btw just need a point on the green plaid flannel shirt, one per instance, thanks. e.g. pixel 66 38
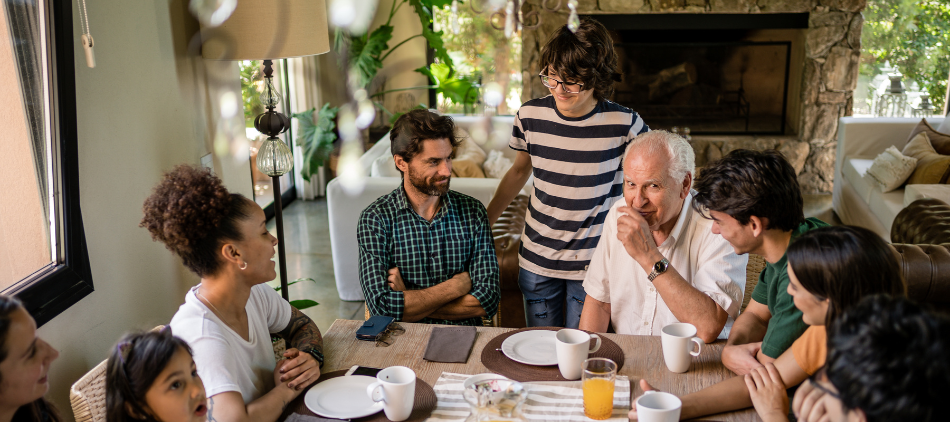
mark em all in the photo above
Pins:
pixel 391 234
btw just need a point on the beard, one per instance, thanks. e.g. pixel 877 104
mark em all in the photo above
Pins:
pixel 429 186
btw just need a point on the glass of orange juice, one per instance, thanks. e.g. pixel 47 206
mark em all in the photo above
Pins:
pixel 598 381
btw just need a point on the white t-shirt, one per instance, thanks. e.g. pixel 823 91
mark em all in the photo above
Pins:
pixel 225 361
pixel 705 260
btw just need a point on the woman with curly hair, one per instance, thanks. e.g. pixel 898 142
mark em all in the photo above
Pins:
pixel 24 367
pixel 229 317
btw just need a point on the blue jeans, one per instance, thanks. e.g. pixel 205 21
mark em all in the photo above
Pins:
pixel 545 300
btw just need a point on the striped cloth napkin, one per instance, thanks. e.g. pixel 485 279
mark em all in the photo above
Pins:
pixel 547 401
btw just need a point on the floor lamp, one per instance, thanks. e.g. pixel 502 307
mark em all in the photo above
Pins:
pixel 268 31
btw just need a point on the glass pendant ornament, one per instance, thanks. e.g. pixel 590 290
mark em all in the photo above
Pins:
pixel 573 21
pixel 274 157
pixel 270 96
pixel 212 13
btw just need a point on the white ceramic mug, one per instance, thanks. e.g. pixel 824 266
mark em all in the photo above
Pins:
pixel 573 347
pixel 677 347
pixel 657 406
pixel 396 388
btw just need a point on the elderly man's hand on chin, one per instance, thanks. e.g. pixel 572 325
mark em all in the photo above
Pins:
pixel 637 238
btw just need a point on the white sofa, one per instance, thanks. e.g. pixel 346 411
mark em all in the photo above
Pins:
pixel 344 210
pixel 859 203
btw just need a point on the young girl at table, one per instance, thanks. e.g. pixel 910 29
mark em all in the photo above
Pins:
pixel 229 317
pixel 24 367
pixel 830 269
pixel 151 377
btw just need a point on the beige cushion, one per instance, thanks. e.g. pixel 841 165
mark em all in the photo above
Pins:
pixel 468 149
pixel 939 139
pixel 384 166
pixel 466 168
pixel 890 169
pixel 931 167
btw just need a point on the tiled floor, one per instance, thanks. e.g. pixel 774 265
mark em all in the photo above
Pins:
pixel 307 237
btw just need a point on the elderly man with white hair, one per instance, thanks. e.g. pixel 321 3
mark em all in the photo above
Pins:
pixel 658 262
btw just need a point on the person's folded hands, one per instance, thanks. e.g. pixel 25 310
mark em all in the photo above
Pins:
pixel 768 394
pixel 298 369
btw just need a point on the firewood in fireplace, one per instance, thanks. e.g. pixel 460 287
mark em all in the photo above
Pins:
pixel 672 79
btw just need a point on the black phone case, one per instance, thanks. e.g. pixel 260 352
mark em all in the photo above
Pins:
pixel 373 327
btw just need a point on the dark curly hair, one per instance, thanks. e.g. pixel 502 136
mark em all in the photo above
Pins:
pixel 39 409
pixel 586 56
pixel 845 264
pixel 134 364
pixel 746 183
pixel 193 214
pixel 419 125
pixel 887 356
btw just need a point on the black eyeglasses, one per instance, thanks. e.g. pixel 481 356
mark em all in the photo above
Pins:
pixel 814 379
pixel 387 337
pixel 571 87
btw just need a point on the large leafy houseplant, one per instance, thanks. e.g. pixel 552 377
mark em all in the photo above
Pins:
pixel 365 54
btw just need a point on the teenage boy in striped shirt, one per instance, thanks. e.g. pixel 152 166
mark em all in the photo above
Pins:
pixel 572 141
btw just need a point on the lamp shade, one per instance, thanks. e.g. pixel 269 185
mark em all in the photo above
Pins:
pixel 267 29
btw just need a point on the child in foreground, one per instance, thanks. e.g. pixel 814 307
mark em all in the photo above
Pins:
pixel 152 377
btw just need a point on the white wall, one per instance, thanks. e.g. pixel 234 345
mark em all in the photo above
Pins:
pixel 142 110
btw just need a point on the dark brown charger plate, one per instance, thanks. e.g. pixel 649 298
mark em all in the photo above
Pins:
pixel 497 362
pixel 422 406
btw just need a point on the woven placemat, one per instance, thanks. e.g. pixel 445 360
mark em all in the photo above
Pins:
pixel 497 362
pixel 422 406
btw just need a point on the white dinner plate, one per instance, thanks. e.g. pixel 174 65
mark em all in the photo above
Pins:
pixel 534 347
pixel 342 398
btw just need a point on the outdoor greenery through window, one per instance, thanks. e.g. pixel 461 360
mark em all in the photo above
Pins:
pixel 483 55
pixel 909 36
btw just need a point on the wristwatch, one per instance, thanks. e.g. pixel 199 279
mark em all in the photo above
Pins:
pixel 659 268
pixel 318 355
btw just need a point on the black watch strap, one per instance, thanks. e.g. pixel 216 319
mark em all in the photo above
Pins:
pixel 317 354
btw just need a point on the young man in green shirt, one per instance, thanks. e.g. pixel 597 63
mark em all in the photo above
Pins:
pixel 756 204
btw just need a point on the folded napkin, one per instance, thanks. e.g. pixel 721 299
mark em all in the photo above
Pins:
pixel 547 401
pixel 450 344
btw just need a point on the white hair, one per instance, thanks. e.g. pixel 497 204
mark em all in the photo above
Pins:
pixel 682 157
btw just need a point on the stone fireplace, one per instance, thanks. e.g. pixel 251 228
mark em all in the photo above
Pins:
pixel 741 74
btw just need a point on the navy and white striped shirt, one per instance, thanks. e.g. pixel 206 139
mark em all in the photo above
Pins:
pixel 577 177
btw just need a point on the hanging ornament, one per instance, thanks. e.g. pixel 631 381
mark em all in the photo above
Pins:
pixel 212 13
pixel 573 21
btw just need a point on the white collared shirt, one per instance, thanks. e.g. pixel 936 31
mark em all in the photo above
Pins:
pixel 705 260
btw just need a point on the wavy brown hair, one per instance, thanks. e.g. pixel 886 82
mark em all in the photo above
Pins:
pixel 419 125
pixel 586 56
pixel 193 214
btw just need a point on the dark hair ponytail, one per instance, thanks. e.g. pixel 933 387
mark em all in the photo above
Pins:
pixel 133 365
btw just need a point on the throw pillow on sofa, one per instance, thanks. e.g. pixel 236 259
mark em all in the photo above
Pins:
pixel 466 168
pixel 932 168
pixel 384 166
pixel 939 139
pixel 890 169
pixel 468 149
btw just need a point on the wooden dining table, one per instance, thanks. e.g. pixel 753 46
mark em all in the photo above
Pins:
pixel 643 360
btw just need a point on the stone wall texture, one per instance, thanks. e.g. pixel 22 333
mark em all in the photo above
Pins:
pixel 830 71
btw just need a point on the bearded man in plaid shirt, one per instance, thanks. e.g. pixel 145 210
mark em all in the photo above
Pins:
pixel 426 252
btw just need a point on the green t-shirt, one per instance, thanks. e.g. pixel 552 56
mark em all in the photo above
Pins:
pixel 786 324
